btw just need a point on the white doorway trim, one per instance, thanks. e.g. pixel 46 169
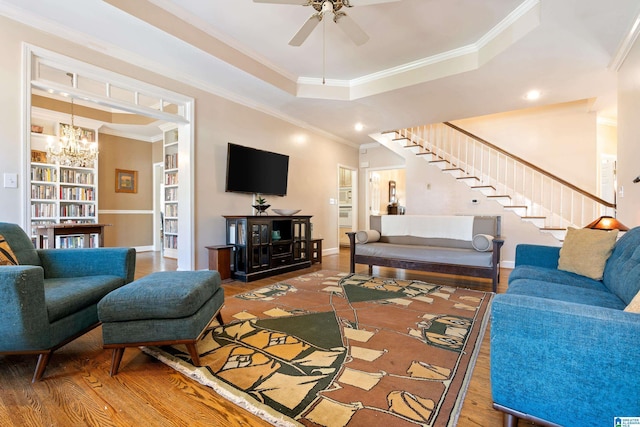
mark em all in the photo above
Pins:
pixel 34 57
pixel 354 198
pixel 158 188
pixel 368 196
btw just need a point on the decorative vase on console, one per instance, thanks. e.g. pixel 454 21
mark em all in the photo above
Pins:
pixel 261 205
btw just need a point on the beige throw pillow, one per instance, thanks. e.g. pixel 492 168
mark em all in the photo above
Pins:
pixel 7 257
pixel 634 305
pixel 367 236
pixel 586 251
pixel 482 242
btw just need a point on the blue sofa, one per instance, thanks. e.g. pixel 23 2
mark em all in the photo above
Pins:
pixel 563 350
pixel 50 297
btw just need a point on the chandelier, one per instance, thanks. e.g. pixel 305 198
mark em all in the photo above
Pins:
pixel 73 148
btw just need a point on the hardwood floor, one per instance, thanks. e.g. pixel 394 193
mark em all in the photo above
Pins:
pixel 77 391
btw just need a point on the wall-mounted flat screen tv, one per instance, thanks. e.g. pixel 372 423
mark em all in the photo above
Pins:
pixel 250 170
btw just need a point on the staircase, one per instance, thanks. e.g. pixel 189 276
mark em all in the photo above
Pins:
pixel 537 196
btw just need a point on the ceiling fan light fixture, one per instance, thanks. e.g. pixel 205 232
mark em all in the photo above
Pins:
pixel 321 7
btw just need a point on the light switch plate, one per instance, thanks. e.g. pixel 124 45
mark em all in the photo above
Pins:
pixel 10 180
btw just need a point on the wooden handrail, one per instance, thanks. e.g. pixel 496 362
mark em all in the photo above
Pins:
pixel 534 167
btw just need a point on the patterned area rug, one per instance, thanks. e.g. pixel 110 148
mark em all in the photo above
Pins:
pixel 332 349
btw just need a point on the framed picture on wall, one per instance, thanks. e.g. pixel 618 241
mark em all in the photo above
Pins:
pixel 126 181
pixel 38 156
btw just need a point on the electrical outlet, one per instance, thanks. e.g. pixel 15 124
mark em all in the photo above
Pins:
pixel 10 180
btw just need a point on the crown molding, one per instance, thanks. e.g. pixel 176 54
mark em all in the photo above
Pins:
pixel 31 20
pixel 512 28
pixel 625 46
pixel 515 25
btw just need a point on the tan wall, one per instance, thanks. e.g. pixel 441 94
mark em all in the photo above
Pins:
pixel 313 170
pixel 133 230
pixel 314 159
pixel 128 230
pixel 128 154
pixel 156 152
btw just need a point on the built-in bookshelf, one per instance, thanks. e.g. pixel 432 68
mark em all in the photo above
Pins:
pixel 171 189
pixel 59 193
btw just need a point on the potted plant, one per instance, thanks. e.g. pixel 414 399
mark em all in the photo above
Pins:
pixel 261 205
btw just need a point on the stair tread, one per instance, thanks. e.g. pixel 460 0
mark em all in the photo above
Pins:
pixel 447 161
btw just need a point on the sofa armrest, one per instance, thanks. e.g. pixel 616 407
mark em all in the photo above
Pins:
pixel 59 263
pixel 571 364
pixel 537 255
pixel 23 316
pixel 352 251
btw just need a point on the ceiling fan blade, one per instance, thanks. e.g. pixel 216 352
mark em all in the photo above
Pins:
pixel 351 29
pixel 370 2
pixel 306 30
pixel 300 2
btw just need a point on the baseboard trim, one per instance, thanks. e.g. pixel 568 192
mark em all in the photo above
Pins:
pixel 330 251
pixel 508 264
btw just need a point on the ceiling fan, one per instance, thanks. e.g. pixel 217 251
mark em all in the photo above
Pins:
pixel 348 25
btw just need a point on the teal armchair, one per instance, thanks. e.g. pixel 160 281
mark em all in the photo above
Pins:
pixel 49 297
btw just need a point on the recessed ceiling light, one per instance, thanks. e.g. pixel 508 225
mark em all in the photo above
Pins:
pixel 532 95
pixel 359 127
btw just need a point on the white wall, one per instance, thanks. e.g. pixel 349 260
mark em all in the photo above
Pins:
pixel 547 137
pixel 374 157
pixel 629 138
pixel 11 160
pixel 432 192
pixel 217 122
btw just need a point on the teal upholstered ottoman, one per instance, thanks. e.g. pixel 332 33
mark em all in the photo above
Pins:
pixel 168 307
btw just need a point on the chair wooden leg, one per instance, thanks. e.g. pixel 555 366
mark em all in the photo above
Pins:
pixel 193 352
pixel 219 318
pixel 116 358
pixel 43 360
pixel 509 420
